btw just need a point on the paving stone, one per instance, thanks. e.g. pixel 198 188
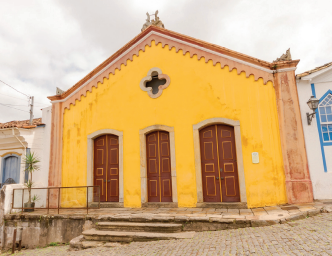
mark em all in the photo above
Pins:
pixel 181 218
pixel 271 208
pixel 257 210
pixel 198 218
pixel 195 209
pixel 91 244
pixel 309 236
pixel 112 244
pixel 221 210
pixel 313 212
pixel 245 211
pixel 233 211
pixel 233 217
pixel 260 213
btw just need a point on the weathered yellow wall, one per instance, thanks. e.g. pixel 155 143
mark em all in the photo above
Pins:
pixel 198 91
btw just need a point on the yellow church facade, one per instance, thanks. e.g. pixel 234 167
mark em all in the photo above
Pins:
pixel 174 120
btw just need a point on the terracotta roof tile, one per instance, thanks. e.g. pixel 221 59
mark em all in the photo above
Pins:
pixel 22 124
pixel 314 70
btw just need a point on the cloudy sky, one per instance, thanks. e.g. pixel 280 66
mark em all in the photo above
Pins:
pixel 46 44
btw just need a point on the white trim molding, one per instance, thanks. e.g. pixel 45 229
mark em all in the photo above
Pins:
pixel 238 145
pixel 90 157
pixel 142 138
pixel 285 69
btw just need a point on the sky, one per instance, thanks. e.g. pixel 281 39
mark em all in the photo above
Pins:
pixel 46 44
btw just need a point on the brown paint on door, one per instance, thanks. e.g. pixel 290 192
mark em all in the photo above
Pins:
pixel 219 164
pixel 159 178
pixel 106 167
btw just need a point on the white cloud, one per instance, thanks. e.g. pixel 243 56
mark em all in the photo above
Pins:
pixel 46 44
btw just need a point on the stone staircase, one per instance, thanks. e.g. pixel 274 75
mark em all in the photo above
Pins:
pixel 110 233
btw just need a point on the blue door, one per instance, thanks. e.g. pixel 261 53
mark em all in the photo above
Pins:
pixel 11 168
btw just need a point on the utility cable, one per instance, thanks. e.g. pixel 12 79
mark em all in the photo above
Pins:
pixel 1 94
pixel 15 89
pixel 14 105
pixel 14 108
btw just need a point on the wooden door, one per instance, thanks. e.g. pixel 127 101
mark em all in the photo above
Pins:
pixel 219 164
pixel 106 167
pixel 228 164
pixel 159 178
pixel 210 164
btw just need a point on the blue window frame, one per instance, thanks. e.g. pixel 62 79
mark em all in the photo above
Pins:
pixel 323 123
pixel 325 115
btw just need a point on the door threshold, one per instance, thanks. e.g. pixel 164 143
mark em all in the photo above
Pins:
pixel 159 205
pixel 107 205
pixel 228 205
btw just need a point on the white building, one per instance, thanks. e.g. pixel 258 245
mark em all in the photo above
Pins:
pixel 16 139
pixel 318 135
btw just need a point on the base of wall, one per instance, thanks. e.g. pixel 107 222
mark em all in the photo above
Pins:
pixel 299 191
pixel 160 205
pixel 236 205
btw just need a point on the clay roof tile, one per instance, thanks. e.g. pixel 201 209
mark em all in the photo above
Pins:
pixel 314 70
pixel 22 124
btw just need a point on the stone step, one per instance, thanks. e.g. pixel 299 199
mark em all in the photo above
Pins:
pixel 232 205
pixel 160 205
pixel 140 227
pixel 127 237
pixel 106 205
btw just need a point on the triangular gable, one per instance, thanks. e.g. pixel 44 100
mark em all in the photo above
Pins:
pixel 217 54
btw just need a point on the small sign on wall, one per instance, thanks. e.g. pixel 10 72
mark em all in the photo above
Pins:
pixel 255 157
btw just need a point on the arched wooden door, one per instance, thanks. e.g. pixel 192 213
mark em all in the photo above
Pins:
pixel 106 167
pixel 219 164
pixel 11 168
pixel 159 180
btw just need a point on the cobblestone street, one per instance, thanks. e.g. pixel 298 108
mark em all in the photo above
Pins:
pixel 310 236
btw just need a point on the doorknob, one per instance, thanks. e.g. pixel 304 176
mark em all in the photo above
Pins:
pixel 221 178
pixel 108 180
pixel 217 178
pixel 220 169
pixel 104 180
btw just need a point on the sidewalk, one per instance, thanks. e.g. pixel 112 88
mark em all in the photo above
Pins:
pixel 251 217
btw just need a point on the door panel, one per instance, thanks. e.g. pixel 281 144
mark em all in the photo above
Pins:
pixel 165 167
pixel 99 170
pixel 210 165
pixel 227 159
pixel 113 167
pixel 219 164
pixel 153 167
pixel 106 167
pixel 158 167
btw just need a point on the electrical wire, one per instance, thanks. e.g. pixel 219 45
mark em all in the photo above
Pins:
pixel 14 105
pixel 14 88
pixel 14 108
pixel 1 94
pixel 38 103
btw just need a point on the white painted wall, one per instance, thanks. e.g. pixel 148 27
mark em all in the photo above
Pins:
pixel 38 140
pixel 8 189
pixel 321 181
